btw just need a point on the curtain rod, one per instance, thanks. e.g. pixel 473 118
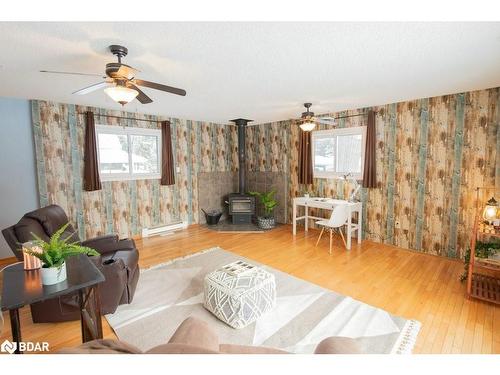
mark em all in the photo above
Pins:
pixel 160 121
pixel 125 118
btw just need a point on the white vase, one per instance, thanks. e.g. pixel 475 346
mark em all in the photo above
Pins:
pixel 53 275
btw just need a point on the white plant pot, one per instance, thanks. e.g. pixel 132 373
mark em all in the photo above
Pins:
pixel 53 275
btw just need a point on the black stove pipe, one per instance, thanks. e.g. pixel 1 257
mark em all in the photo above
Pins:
pixel 241 123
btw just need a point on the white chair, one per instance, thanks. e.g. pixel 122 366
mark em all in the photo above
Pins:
pixel 336 221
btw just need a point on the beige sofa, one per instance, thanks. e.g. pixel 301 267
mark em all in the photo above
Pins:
pixel 194 336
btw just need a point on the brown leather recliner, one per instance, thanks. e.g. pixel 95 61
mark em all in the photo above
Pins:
pixel 118 263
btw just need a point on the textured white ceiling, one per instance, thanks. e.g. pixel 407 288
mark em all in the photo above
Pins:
pixel 262 71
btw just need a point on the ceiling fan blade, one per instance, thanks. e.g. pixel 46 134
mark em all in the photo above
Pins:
pixel 326 120
pixel 126 71
pixel 72 73
pixel 143 98
pixel 91 88
pixel 158 86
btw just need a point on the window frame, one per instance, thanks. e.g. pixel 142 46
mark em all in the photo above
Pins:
pixel 355 130
pixel 128 131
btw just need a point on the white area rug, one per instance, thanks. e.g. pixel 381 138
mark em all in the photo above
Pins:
pixel 304 314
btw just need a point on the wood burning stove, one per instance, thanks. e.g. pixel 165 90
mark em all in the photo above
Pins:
pixel 241 205
pixel 241 208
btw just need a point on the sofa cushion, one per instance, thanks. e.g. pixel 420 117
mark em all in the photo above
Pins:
pixel 197 333
pixel 179 349
pixel 246 349
pixel 105 346
pixel 194 336
pixel 338 345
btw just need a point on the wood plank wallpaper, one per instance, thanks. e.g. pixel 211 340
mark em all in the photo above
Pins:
pixel 124 207
pixel 431 155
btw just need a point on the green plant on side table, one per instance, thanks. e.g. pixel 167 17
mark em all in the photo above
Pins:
pixel 54 253
pixel 267 199
pixel 483 250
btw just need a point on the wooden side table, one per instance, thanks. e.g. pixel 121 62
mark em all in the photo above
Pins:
pixel 21 288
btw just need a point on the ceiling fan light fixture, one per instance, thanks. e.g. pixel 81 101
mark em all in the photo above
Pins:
pixel 121 94
pixel 307 126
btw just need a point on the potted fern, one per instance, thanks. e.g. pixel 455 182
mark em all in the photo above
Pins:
pixel 267 199
pixel 53 255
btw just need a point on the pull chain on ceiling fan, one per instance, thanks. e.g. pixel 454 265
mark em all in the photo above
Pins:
pixel 120 83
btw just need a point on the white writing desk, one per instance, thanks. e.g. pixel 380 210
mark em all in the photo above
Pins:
pixel 328 204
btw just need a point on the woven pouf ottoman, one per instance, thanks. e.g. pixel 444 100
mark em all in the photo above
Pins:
pixel 239 293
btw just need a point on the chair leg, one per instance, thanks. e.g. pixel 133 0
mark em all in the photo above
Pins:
pixel 319 238
pixel 342 235
pixel 331 234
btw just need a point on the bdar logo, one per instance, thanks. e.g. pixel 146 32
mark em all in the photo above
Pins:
pixel 24 346
pixel 9 347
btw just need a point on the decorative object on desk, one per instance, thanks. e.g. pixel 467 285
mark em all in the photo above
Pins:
pixel 30 261
pixel 490 213
pixel 54 253
pixel 267 199
pixel 351 197
pixel 305 192
pixel 212 217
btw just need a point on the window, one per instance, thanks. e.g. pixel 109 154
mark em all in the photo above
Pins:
pixel 337 152
pixel 128 153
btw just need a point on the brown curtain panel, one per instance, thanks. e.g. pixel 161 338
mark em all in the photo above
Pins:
pixel 91 179
pixel 370 171
pixel 305 158
pixel 167 160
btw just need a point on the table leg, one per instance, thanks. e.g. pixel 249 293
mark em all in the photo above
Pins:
pixel 331 236
pixel 294 218
pixel 349 230
pixel 97 312
pixel 306 218
pixel 90 314
pixel 15 326
pixel 360 226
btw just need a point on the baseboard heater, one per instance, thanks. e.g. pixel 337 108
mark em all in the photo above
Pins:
pixel 164 229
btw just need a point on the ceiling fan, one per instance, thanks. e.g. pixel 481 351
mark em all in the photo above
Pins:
pixel 309 120
pixel 120 83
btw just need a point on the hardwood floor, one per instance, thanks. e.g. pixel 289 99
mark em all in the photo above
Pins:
pixel 402 282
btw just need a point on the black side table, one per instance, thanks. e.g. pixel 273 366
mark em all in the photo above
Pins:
pixel 22 288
